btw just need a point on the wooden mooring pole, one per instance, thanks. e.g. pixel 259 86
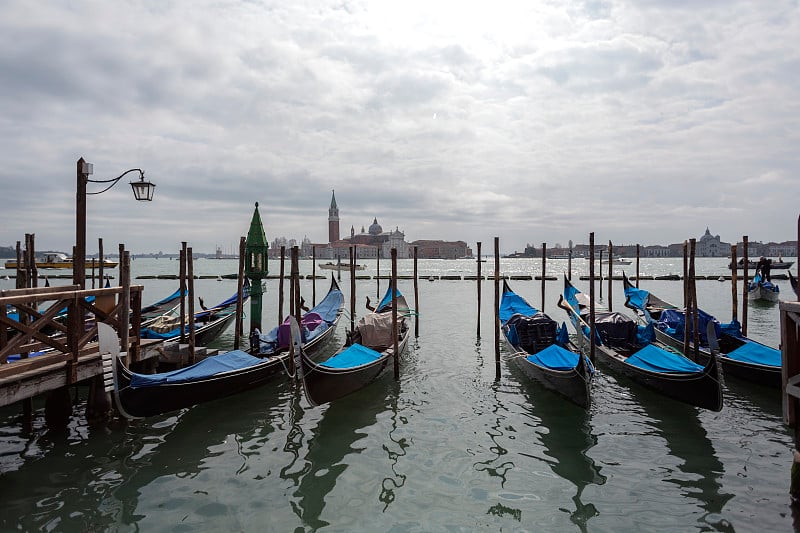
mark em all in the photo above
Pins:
pixel 496 313
pixel 637 265
pixel 734 286
pixel 395 330
pixel 479 290
pixel 280 286
pixel 239 327
pixel 313 276
pixel 544 271
pixel 745 281
pixel 190 281
pixel 610 274
pixel 592 342
pixel 352 290
pixel 182 275
pixel 687 299
pixel 416 296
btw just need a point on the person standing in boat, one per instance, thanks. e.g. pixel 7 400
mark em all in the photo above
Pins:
pixel 766 268
pixel 760 266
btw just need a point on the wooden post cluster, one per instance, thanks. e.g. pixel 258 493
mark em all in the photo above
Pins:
pixel 610 273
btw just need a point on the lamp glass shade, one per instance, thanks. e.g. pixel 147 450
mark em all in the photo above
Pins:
pixel 143 190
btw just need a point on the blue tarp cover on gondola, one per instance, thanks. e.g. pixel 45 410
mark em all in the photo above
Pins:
pixel 353 356
pixel 637 297
pixel 672 322
pixel 753 352
pixel 235 360
pixel 387 300
pixel 554 357
pixel 511 304
pixel 655 359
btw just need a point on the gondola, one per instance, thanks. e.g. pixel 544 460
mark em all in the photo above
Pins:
pixel 318 326
pixel 634 352
pixel 364 357
pixel 780 264
pixel 162 306
pixel 761 289
pixel 143 395
pixel 208 323
pixel 542 350
pixel 739 356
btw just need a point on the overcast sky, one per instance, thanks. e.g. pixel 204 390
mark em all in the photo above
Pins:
pixel 536 121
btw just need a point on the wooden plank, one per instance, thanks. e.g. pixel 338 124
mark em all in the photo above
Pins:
pixel 25 295
pixel 37 291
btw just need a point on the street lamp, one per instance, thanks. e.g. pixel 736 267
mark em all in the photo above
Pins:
pixel 142 191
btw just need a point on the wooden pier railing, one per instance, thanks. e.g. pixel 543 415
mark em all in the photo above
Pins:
pixel 60 322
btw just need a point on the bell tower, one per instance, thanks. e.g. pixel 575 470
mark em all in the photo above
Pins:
pixel 333 220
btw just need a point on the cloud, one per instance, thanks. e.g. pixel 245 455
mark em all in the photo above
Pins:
pixel 642 122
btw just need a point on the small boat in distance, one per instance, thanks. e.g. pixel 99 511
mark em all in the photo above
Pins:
pixel 58 260
pixel 780 264
pixel 761 289
pixel 343 266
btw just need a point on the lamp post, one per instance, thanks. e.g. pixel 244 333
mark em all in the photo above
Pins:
pixel 142 191
pixel 255 266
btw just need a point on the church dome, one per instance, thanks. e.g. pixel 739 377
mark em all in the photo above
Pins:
pixel 375 228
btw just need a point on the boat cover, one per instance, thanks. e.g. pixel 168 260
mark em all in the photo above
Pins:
pixel 531 333
pixel 673 322
pixel 386 302
pixel 765 285
pixel 656 359
pixel 312 324
pixel 211 366
pixel 641 299
pixel 355 355
pixel 754 352
pixel 512 304
pixel 616 329
pixel 555 357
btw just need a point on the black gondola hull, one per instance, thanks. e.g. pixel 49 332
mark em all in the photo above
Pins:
pixel 159 399
pixel 324 384
pixel 572 384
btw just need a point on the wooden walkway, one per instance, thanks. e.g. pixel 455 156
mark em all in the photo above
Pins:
pixel 53 330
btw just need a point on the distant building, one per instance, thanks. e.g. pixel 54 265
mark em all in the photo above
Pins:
pixel 434 249
pixel 368 244
pixel 711 246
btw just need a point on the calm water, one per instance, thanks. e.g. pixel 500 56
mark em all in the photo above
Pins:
pixel 448 447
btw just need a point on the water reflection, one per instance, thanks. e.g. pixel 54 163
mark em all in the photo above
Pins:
pixel 566 434
pixel 686 439
pixel 100 486
pixel 340 426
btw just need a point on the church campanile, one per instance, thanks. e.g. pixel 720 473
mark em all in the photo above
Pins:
pixel 333 220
